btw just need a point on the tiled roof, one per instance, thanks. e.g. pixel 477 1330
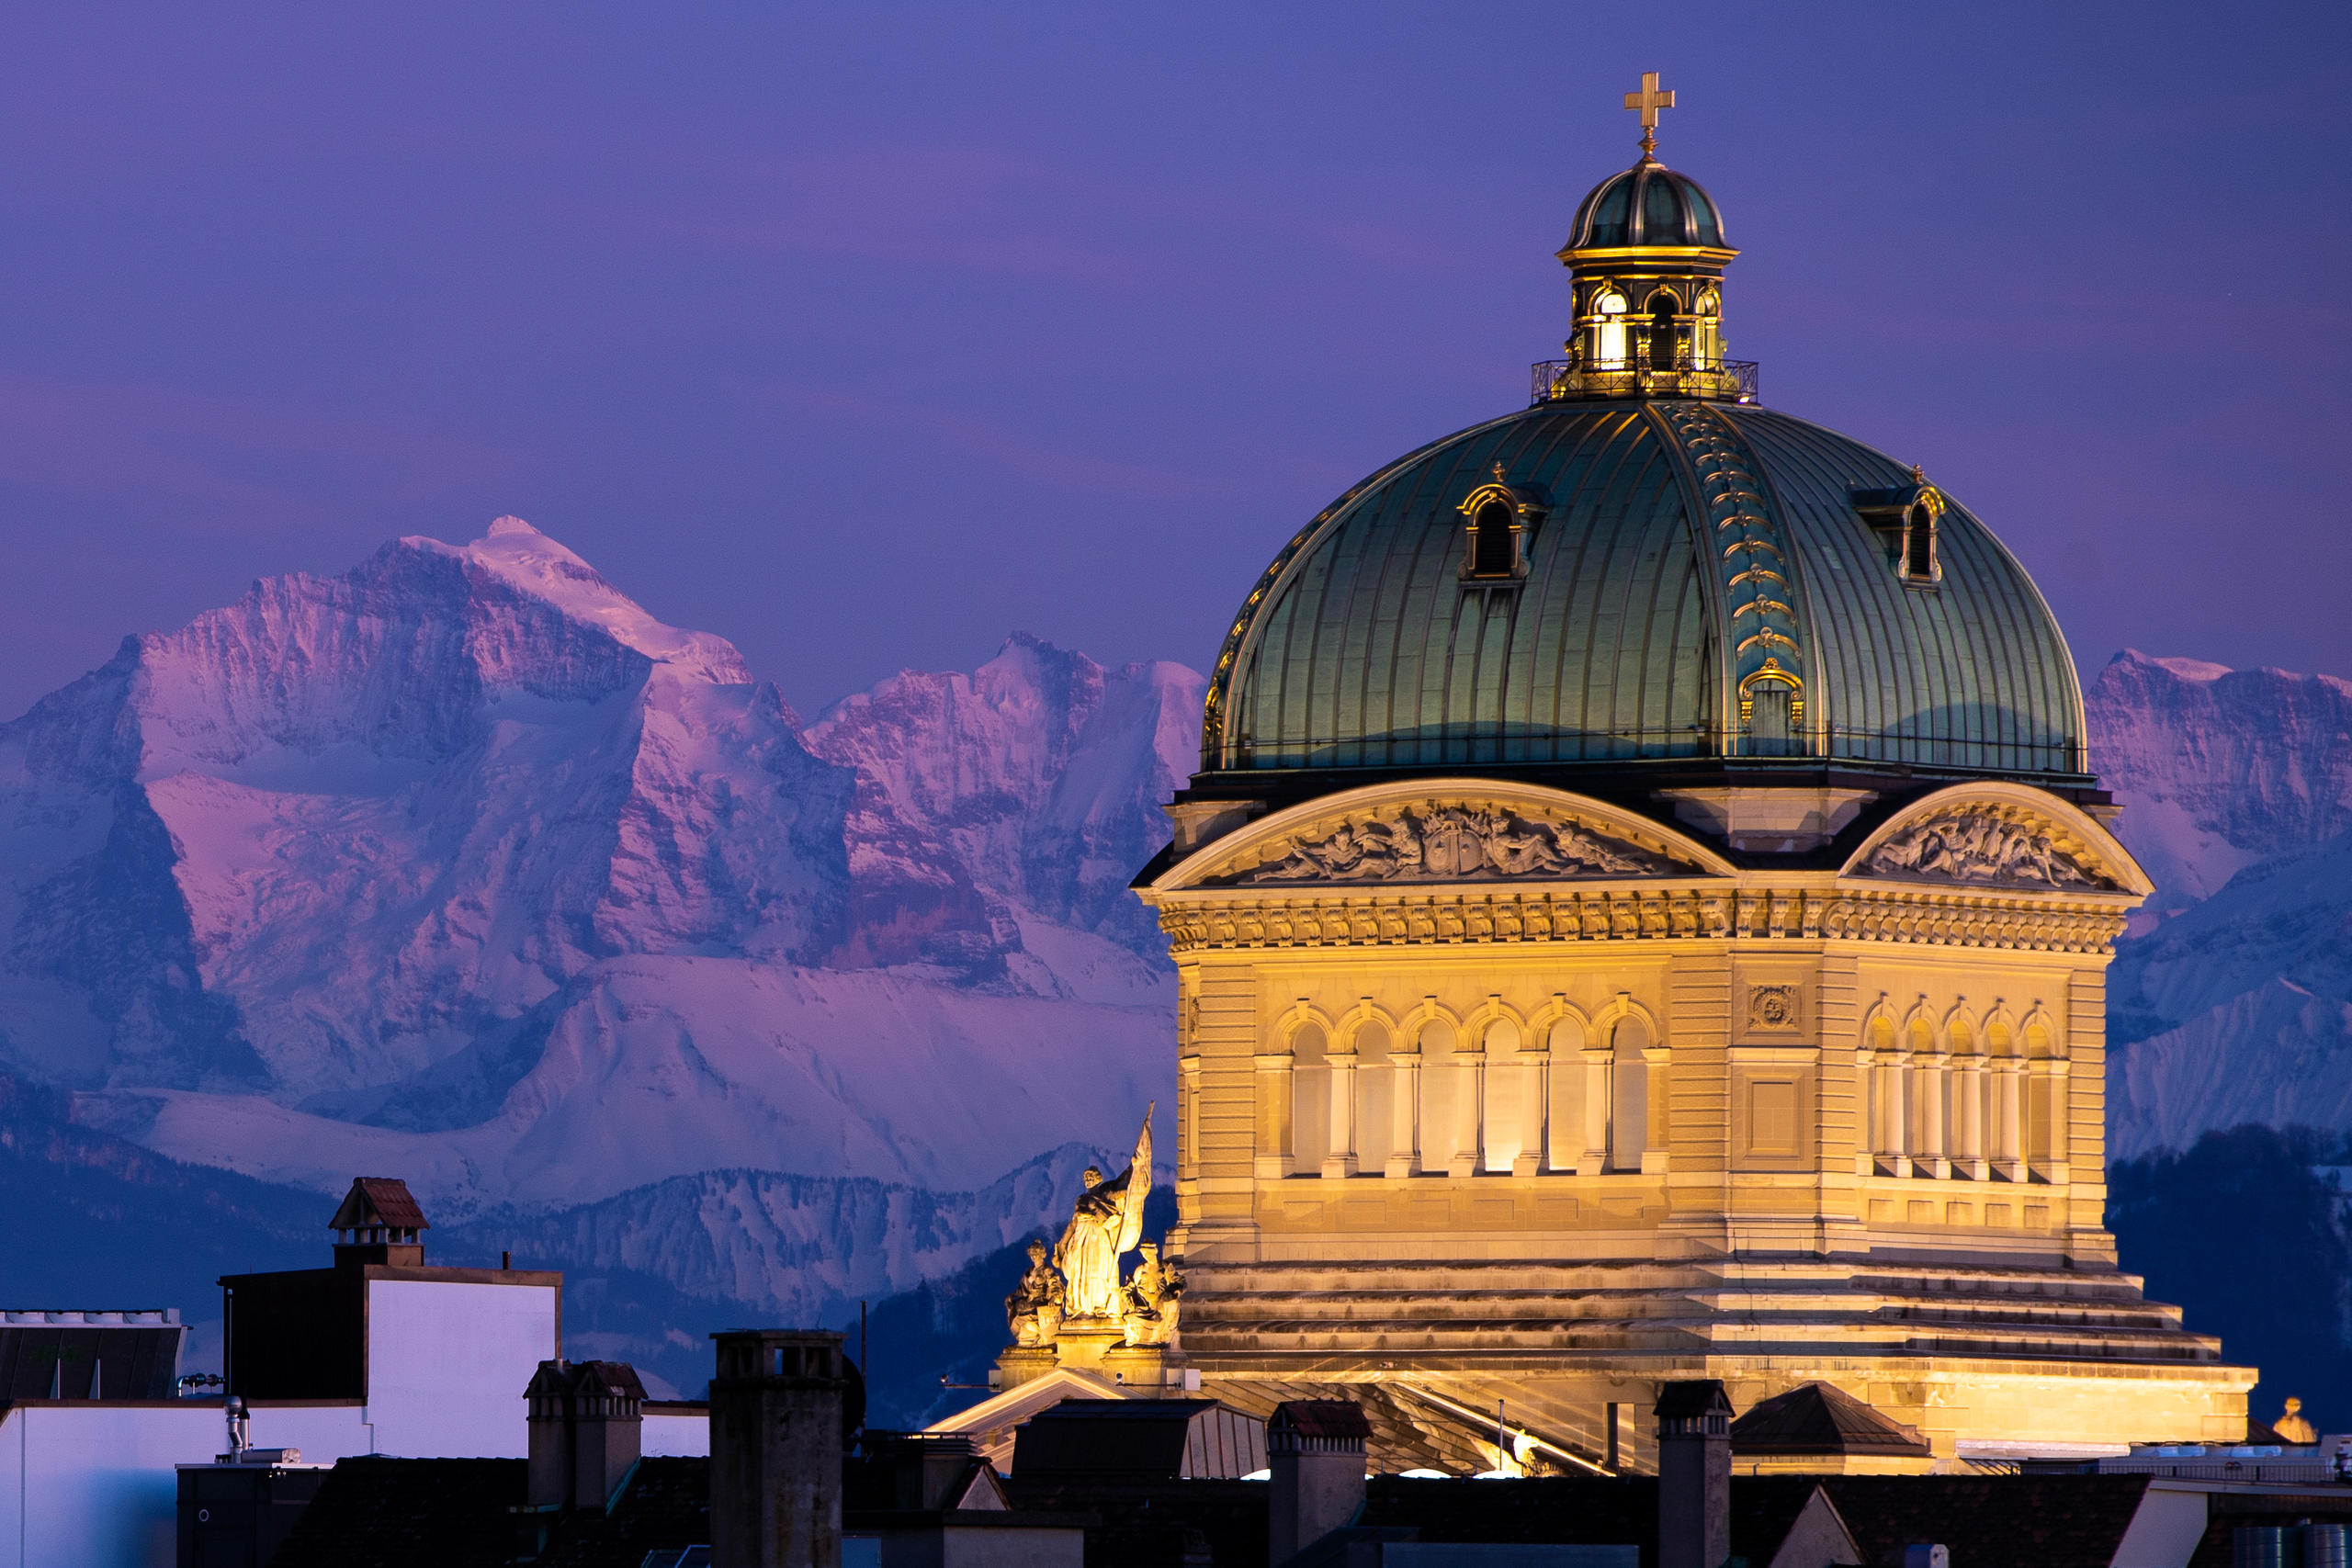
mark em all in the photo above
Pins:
pixel 1338 1418
pixel 666 1506
pixel 378 1200
pixel 1819 1419
pixel 1991 1521
pixel 394 1513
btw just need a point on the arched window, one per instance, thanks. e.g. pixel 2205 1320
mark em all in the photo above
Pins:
pixel 1310 1137
pixel 1493 550
pixel 1663 307
pixel 1920 542
pixel 1707 340
pixel 1375 1104
pixel 1608 337
pixel 1510 1092
pixel 1629 1083
pixel 1565 1108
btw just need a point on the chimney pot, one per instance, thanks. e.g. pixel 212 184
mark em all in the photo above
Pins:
pixel 1695 1474
pixel 1315 1450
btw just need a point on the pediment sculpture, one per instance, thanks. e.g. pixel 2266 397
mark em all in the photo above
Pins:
pixel 1455 844
pixel 1983 849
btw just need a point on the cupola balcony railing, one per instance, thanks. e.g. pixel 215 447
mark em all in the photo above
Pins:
pixel 1726 381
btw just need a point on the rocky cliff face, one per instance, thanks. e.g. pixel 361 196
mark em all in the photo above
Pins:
pixel 2231 1002
pixel 462 865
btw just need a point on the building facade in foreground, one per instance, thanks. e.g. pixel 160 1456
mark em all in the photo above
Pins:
pixel 1643 914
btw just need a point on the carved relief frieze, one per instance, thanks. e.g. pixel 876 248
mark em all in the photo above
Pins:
pixel 1981 847
pixel 1452 843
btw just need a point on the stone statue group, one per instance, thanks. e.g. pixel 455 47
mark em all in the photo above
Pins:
pixel 1081 1285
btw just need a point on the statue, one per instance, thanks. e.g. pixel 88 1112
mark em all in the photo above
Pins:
pixel 2294 1427
pixel 1151 1300
pixel 1033 1311
pixel 1106 1221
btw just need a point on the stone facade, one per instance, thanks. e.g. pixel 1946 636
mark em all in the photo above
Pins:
pixel 1506 1092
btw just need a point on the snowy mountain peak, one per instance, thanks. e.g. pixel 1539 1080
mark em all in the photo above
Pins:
pixel 521 557
pixel 464 860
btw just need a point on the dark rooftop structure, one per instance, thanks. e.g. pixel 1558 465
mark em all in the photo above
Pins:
pixel 1817 1420
pixel 82 1354
pixel 1141 1439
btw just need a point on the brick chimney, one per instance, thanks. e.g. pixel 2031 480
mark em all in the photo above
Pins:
pixel 1693 1475
pixel 1315 1449
pixel 776 1450
pixel 587 1427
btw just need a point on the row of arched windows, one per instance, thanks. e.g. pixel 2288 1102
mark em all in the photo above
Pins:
pixel 1972 1099
pixel 1616 334
pixel 1388 1098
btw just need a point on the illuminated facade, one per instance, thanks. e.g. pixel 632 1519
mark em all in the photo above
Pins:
pixel 1644 914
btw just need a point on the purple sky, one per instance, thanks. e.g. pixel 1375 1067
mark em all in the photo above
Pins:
pixel 862 335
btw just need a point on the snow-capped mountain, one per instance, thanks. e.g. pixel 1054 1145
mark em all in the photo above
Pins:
pixel 462 866
pixel 2231 1002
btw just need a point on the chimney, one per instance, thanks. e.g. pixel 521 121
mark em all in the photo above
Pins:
pixel 776 1450
pixel 1693 1475
pixel 1315 1449
pixel 586 1426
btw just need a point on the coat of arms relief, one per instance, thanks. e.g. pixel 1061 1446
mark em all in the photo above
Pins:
pixel 1983 849
pixel 1454 843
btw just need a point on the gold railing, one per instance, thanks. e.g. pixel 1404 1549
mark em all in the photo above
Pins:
pixel 1726 381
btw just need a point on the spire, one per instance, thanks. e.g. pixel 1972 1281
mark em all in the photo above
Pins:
pixel 1650 100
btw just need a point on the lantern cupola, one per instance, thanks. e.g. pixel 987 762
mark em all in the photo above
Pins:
pixel 1646 257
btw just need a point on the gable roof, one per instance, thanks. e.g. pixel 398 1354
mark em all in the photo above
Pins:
pixel 378 1200
pixel 1818 1418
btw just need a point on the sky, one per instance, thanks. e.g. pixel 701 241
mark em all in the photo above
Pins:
pixel 863 335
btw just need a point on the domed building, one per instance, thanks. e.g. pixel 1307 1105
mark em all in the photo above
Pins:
pixel 1643 915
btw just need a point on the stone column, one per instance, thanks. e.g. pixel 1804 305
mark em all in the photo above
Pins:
pixel 1469 1104
pixel 1598 1091
pixel 1894 1135
pixel 1274 1155
pixel 1405 1107
pixel 2009 1086
pixel 1340 1146
pixel 1534 1104
pixel 1968 1098
pixel 1932 1081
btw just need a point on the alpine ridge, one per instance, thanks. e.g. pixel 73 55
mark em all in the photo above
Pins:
pixel 463 866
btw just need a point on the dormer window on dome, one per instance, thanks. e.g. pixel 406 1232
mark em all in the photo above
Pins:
pixel 1500 516
pixel 1905 518
pixel 1646 253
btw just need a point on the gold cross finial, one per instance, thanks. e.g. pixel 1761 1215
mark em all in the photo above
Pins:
pixel 1650 100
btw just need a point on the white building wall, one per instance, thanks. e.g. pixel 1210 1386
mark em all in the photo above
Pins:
pixel 447 1364
pixel 678 1435
pixel 98 1485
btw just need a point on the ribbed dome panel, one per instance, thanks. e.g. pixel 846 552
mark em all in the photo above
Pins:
pixel 1363 648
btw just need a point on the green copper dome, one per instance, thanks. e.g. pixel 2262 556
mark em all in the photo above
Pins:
pixel 1635 581
pixel 1648 204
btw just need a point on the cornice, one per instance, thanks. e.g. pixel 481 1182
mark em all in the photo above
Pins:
pixel 1832 910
